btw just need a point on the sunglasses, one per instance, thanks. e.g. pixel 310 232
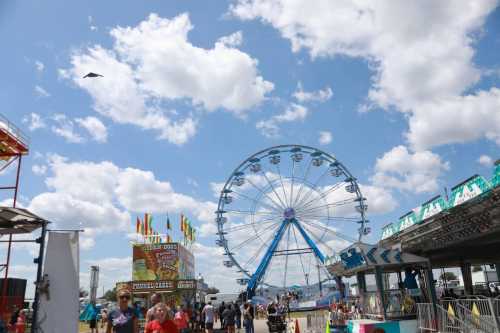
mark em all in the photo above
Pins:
pixel 124 297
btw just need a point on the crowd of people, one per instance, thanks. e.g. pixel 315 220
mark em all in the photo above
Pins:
pixel 160 318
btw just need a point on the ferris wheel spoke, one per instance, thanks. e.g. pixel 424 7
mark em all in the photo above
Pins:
pixel 282 185
pixel 259 250
pixel 312 216
pixel 301 186
pixel 311 188
pixel 329 230
pixel 318 239
pixel 250 212
pixel 277 205
pixel 322 194
pixel 333 204
pixel 255 236
pixel 283 205
pixel 293 178
pixel 248 225
pixel 312 205
pixel 300 255
pixel 255 201
pixel 286 258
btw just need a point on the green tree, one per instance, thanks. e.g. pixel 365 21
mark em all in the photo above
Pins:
pixel 110 295
pixel 448 276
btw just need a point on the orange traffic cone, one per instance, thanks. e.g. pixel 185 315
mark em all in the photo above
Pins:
pixel 297 329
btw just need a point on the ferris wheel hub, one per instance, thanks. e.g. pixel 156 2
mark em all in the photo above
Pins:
pixel 289 213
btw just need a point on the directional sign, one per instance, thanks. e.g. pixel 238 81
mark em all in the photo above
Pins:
pixel 384 255
pixel 370 254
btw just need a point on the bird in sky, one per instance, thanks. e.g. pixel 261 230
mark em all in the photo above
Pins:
pixel 93 75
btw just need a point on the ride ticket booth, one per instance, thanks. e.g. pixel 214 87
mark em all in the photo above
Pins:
pixel 389 304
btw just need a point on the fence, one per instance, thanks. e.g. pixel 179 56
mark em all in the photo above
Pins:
pixel 479 311
pixel 440 321
pixel 316 322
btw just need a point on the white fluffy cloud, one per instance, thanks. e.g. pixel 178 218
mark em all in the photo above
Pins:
pixel 474 116
pixel 412 172
pixel 34 121
pixel 100 197
pixel 485 160
pixel 39 66
pixel 154 63
pixel 325 137
pixel 64 127
pixel 321 95
pixel 94 127
pixel 39 169
pixel 41 92
pixel 270 127
pixel 421 53
pixel 379 199
pixel 234 39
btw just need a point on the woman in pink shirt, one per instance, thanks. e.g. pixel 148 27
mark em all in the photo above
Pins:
pixel 181 320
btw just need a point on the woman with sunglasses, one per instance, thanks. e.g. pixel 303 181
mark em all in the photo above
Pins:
pixel 162 322
pixel 123 319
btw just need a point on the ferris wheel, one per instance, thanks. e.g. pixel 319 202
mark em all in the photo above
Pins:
pixel 283 212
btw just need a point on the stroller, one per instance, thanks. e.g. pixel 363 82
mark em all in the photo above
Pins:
pixel 276 323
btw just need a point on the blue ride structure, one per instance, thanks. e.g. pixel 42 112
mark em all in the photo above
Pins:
pixel 286 202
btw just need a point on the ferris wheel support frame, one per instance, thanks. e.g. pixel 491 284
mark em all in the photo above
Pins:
pixel 266 260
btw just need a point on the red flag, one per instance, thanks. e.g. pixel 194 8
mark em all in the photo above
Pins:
pixel 138 225
pixel 146 224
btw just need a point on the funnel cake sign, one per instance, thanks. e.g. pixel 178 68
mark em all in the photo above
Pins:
pixel 160 262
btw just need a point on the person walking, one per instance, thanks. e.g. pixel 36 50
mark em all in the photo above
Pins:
pixel 228 315
pixel 237 311
pixel 247 318
pixel 20 325
pixel 220 310
pixel 93 319
pixel 209 312
pixel 181 320
pixel 123 319
pixel 162 321
pixel 155 299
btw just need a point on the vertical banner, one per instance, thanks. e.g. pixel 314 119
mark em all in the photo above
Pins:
pixel 59 305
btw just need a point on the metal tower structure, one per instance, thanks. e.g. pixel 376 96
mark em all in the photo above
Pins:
pixel 14 144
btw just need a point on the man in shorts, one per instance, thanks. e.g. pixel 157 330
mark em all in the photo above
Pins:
pixel 208 313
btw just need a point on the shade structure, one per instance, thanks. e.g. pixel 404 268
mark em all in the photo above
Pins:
pixel 19 221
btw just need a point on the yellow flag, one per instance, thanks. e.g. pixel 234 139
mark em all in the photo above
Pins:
pixel 475 314
pixel 451 312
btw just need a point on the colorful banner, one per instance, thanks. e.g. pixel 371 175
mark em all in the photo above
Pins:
pixel 430 208
pixel 407 220
pixel 495 181
pixel 163 261
pixel 161 285
pixel 186 263
pixel 388 230
pixel 471 188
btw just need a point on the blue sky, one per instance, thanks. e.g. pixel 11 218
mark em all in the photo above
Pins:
pixel 406 97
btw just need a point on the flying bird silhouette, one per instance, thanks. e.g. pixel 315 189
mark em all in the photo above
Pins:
pixel 93 75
